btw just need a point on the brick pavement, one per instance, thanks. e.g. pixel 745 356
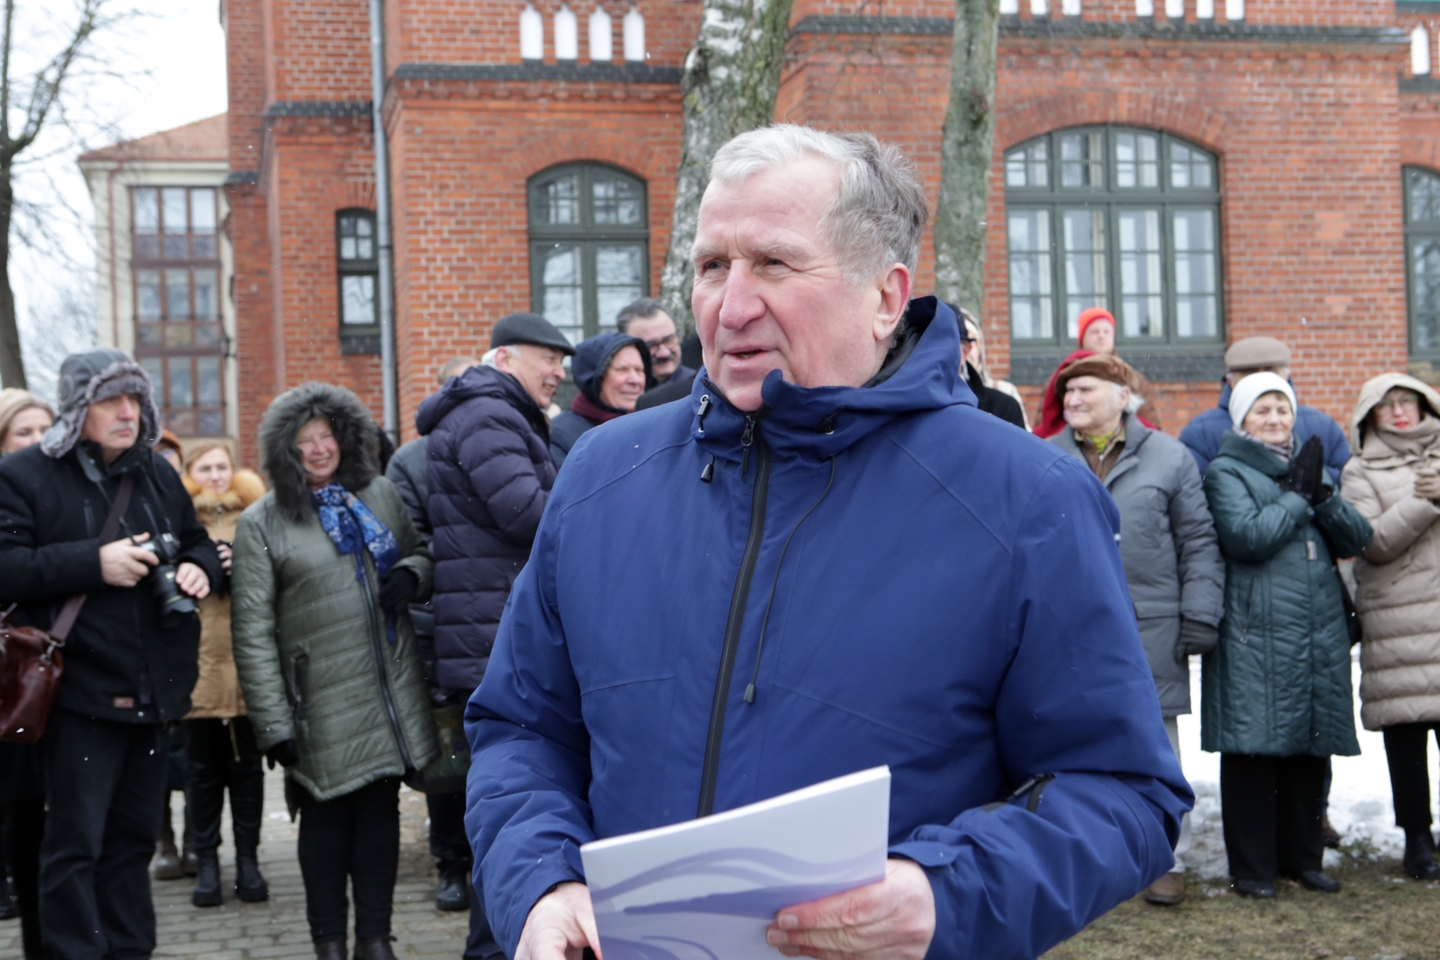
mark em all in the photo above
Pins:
pixel 276 929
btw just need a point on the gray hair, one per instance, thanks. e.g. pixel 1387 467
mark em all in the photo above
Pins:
pixel 879 213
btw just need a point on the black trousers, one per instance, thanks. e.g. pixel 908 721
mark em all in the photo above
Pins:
pixel 23 825
pixel 448 843
pixel 1410 772
pixel 354 837
pixel 221 755
pixel 104 791
pixel 1272 808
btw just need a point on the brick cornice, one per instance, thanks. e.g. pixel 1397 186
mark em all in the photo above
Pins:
pixel 529 71
pixel 1177 115
pixel 1419 84
pixel 318 108
pixel 1073 28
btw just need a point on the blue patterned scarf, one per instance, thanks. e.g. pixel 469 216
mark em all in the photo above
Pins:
pixel 351 525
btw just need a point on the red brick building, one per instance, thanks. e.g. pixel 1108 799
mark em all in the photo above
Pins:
pixel 1209 169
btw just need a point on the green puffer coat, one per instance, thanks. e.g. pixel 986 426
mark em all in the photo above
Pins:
pixel 310 640
pixel 1278 683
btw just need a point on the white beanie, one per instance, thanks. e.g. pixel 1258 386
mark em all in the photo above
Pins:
pixel 1244 394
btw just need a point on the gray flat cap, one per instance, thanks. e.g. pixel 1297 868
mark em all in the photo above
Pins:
pixel 528 328
pixel 1254 352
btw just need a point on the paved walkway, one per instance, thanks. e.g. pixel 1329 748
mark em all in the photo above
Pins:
pixel 276 929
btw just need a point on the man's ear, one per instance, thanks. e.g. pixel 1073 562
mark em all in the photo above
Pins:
pixel 894 289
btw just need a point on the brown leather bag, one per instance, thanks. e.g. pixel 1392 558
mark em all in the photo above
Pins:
pixel 30 660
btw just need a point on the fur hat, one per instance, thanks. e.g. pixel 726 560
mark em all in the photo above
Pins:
pixel 1105 366
pixel 354 431
pixel 92 376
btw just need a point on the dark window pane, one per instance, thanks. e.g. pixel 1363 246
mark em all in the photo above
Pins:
pixel 173 199
pixel 177 248
pixel 1196 284
pixel 616 201
pixel 155 368
pixel 202 211
pixel 210 423
pixel 1082 160
pixel 1141 310
pixel 207 334
pixel 207 381
pixel 1032 314
pixel 177 334
pixel 181 394
pixel 147 334
pixel 147 210
pixel 207 296
pixel 147 247
pixel 177 294
pixel 203 247
pixel 1084 236
pixel 357 296
pixel 147 294
pixel 1424 196
pixel 562 201
pixel 1425 295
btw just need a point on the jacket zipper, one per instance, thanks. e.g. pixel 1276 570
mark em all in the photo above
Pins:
pixel 736 618
pixel 385 694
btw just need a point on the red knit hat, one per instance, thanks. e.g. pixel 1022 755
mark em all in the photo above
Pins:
pixel 1089 316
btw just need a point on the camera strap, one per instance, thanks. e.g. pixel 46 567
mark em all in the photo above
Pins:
pixel 71 611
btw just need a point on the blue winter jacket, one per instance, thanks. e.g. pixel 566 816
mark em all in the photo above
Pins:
pixel 1204 434
pixel 935 590
pixel 488 474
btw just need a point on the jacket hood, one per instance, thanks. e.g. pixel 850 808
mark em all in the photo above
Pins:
pixel 475 383
pixel 353 428
pixel 922 372
pixel 593 357
pixel 245 489
pixel 90 377
pixel 1374 390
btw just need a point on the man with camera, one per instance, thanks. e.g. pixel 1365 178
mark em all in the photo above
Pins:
pixel 91 510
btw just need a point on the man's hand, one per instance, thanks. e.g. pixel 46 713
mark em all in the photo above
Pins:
pixel 890 920
pixel 123 564
pixel 1427 483
pixel 192 580
pixel 560 926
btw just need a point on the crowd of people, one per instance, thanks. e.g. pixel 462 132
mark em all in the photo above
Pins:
pixel 566 580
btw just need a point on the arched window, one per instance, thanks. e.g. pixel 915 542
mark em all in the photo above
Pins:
pixel 357 263
pixel 1422 261
pixel 589 246
pixel 1115 217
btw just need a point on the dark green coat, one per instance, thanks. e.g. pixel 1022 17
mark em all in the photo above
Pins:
pixel 1278 683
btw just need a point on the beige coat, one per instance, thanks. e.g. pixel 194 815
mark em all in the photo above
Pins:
pixel 217 691
pixel 1398 576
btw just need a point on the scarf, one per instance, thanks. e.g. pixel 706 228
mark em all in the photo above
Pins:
pixel 1283 451
pixel 350 524
pixel 596 413
pixel 1416 441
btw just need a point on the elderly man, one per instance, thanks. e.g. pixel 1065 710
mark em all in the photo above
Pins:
pixel 647 320
pixel 80 516
pixel 848 587
pixel 1262 355
pixel 1168 542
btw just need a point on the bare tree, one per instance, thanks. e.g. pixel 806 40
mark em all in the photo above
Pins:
pixel 967 143
pixel 731 80
pixel 27 105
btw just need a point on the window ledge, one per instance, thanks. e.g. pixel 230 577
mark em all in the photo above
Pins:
pixel 359 344
pixel 1171 366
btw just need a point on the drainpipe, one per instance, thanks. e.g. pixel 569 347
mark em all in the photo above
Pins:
pixel 386 293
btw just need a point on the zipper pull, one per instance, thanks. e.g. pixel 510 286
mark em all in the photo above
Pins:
pixel 746 439
pixel 708 474
pixel 704 409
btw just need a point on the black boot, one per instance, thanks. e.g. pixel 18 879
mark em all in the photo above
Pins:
pixel 451 894
pixel 330 950
pixel 250 885
pixel 208 892
pixel 9 909
pixel 373 948
pixel 167 858
pixel 1420 855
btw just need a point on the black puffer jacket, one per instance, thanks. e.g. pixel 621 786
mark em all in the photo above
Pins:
pixel 120 662
pixel 489 474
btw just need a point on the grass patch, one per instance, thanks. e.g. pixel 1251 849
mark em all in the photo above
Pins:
pixel 1373 918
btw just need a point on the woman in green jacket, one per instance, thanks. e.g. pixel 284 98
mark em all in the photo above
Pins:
pixel 1275 694
pixel 325 566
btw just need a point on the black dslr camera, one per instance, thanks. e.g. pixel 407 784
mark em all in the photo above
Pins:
pixel 172 600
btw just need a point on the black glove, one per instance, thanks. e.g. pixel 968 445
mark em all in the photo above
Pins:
pixel 1195 638
pixel 286 753
pixel 1307 473
pixel 397 588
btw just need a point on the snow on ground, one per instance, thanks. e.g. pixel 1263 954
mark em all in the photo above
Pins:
pixel 1359 794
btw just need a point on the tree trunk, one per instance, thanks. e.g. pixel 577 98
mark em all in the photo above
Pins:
pixel 731 79
pixel 967 142
pixel 12 364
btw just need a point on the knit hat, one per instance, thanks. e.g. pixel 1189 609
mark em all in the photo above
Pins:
pixel 90 377
pixel 1252 388
pixel 1255 352
pixel 13 400
pixel 1089 316
pixel 1100 365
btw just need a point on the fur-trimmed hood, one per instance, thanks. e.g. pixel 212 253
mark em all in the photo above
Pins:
pixel 90 377
pixel 245 489
pixel 280 458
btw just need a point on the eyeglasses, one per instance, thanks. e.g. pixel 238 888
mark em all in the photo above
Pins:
pixel 1404 401
pixel 672 341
